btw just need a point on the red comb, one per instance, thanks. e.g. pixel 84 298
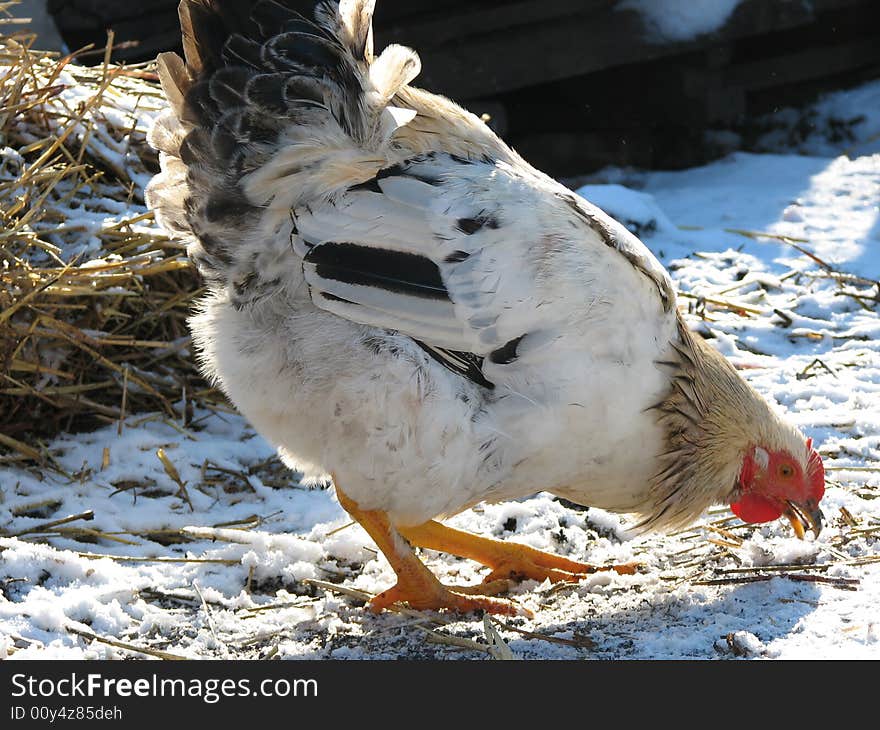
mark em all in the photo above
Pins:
pixel 815 471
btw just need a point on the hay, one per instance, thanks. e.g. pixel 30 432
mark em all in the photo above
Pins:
pixel 93 296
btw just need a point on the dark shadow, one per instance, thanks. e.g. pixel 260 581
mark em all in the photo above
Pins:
pixel 690 624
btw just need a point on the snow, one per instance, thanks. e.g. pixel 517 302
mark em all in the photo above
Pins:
pixel 636 210
pixel 674 20
pixel 844 121
pixel 804 331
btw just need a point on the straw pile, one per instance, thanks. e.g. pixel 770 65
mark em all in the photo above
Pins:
pixel 93 296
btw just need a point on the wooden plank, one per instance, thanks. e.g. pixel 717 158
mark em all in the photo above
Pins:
pixel 566 45
pixel 808 64
pixel 88 15
pixel 719 95
pixel 393 11
pixel 487 21
pixel 42 23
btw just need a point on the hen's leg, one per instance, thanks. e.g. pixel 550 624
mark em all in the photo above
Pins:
pixel 507 559
pixel 416 585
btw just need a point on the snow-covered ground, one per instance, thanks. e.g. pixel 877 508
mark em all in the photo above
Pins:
pixel 214 552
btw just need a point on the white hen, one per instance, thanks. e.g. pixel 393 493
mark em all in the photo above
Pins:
pixel 399 300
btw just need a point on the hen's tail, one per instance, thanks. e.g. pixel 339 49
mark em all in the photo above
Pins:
pixel 269 109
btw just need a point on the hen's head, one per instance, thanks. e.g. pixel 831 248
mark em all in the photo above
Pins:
pixel 726 444
pixel 777 483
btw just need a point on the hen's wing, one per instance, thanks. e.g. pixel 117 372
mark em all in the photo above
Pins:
pixel 419 250
pixel 461 255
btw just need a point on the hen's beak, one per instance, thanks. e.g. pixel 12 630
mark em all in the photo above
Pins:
pixel 803 519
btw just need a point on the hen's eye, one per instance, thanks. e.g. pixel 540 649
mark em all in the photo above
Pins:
pixel 786 471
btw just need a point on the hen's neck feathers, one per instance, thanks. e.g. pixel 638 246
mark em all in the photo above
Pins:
pixel 711 417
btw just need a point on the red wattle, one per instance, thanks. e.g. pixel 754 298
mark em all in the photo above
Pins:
pixel 753 508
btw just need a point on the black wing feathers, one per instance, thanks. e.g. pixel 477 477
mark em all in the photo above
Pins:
pixel 506 354
pixel 463 363
pixel 394 271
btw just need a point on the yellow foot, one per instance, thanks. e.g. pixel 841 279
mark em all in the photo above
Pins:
pixel 416 585
pixel 508 561
pixel 438 597
pixel 551 567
